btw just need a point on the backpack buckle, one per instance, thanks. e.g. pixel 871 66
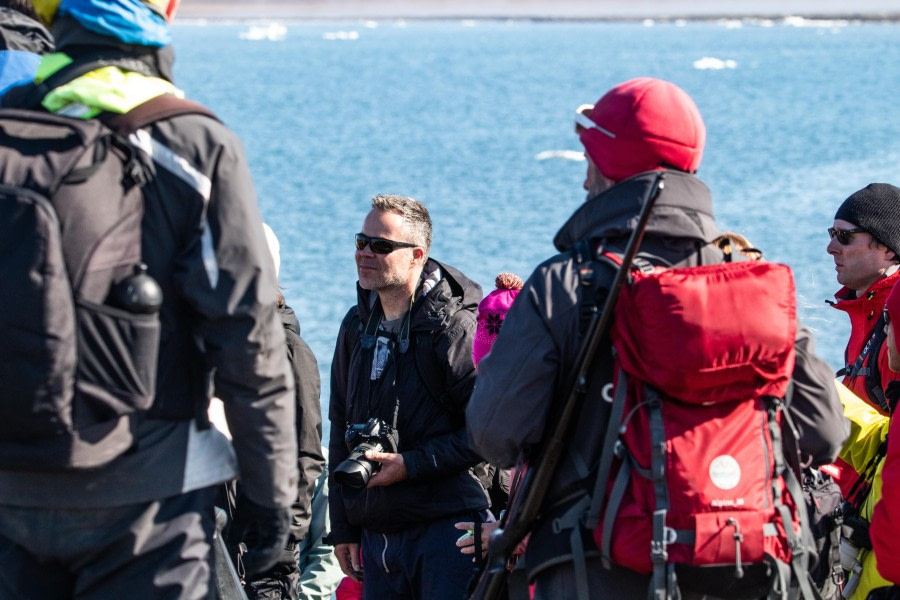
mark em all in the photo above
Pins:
pixel 658 553
pixel 642 265
pixel 670 536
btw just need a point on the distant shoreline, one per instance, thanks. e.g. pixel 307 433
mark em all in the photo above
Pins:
pixel 534 10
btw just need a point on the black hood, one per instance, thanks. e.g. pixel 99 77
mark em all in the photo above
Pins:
pixel 80 43
pixel 454 292
pixel 683 210
pixel 21 32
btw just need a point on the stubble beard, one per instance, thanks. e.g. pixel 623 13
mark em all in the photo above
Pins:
pixel 384 281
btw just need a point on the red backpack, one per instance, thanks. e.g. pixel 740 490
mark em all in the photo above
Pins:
pixel 698 492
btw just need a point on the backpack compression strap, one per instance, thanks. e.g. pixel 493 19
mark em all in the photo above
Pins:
pixel 798 542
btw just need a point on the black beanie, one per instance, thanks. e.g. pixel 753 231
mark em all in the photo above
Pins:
pixel 875 208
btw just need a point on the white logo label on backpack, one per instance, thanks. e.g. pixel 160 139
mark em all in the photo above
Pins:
pixel 725 472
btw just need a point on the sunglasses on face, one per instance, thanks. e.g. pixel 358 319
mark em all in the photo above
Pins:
pixel 380 245
pixel 887 317
pixel 843 235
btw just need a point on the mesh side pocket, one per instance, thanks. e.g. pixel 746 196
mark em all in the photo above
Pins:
pixel 117 358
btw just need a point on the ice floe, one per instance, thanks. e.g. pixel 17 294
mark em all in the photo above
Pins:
pixel 708 63
pixel 341 35
pixel 271 31
pixel 564 154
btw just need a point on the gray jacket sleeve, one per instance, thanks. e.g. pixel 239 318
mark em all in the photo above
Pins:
pixel 514 389
pixel 310 454
pixel 230 284
pixel 814 405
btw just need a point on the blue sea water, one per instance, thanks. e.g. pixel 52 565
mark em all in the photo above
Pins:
pixel 465 116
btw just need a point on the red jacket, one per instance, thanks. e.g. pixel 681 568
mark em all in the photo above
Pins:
pixel 885 529
pixel 864 312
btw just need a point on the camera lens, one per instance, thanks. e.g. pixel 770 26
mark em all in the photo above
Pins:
pixel 356 470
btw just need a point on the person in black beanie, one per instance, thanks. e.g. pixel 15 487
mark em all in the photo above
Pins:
pixel 875 209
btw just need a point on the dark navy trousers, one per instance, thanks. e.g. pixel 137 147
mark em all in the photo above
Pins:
pixel 418 563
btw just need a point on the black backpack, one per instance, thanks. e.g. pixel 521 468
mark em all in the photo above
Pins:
pixel 79 317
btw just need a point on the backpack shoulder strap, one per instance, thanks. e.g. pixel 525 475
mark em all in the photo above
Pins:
pixel 870 371
pixel 156 109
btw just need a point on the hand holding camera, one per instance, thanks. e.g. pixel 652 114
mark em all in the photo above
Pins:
pixel 373 446
pixel 393 468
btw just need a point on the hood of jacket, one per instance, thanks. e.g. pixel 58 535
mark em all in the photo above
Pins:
pixel 21 32
pixel 453 292
pixel 289 318
pixel 682 210
pixel 79 43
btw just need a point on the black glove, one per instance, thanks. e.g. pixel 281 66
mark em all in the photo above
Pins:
pixel 263 530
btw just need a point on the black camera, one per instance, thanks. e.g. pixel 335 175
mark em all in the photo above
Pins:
pixel 375 435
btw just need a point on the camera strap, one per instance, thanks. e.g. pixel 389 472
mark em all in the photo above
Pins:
pixel 370 333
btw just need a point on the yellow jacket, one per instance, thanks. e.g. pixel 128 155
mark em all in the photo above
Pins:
pixel 868 428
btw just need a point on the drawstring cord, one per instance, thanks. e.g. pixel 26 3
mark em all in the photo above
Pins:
pixel 738 538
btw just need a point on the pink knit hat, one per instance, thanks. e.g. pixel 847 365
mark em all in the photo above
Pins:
pixel 492 312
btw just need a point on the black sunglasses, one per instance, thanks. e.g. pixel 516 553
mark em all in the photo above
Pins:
pixel 843 235
pixel 380 245
pixel 887 317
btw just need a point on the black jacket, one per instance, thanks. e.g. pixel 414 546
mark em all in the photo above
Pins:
pixel 20 32
pixel 429 384
pixel 307 388
pixel 203 242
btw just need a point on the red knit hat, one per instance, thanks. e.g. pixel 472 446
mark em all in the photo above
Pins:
pixel 641 125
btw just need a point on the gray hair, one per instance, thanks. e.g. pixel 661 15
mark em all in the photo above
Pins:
pixel 414 213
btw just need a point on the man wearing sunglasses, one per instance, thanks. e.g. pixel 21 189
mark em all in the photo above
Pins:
pixel 637 129
pixel 403 360
pixel 865 246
